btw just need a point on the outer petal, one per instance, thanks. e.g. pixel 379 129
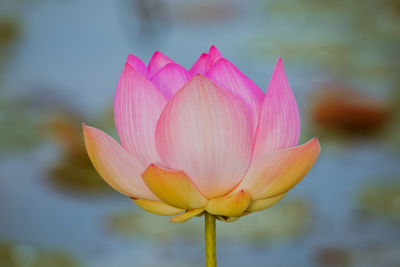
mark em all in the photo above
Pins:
pixel 186 216
pixel 137 63
pixel 170 79
pixel 232 205
pixel 137 107
pixel 279 125
pixel 157 207
pixel 229 77
pixel 277 172
pixel 205 62
pixel 263 204
pixel 228 219
pixel 206 132
pixel 157 62
pixel 173 187
pixel 117 167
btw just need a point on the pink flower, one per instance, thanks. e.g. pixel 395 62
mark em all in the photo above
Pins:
pixel 207 139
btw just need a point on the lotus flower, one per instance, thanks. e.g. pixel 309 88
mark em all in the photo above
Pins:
pixel 201 140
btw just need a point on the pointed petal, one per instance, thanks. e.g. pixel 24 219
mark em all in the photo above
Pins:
pixel 263 204
pixel 173 187
pixel 279 171
pixel 157 62
pixel 137 63
pixel 186 216
pixel 137 107
pixel 116 166
pixel 232 205
pixel 226 75
pixel 232 219
pixel 214 55
pixel 205 62
pixel 157 207
pixel 200 66
pixel 206 132
pixel 279 125
pixel 228 219
pixel 170 79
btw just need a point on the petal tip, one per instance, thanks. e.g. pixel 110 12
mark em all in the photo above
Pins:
pixel 214 54
pixel 88 130
pixel 213 49
pixel 203 55
pixel 156 54
pixel 129 68
pixel 85 129
pixel 129 58
pixel 314 141
pixel 198 77
pixel 136 63
pixel 223 61
pixel 279 66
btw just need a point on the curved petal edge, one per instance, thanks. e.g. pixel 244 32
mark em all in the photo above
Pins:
pixel 279 171
pixel 263 204
pixel 228 76
pixel 207 132
pixel 157 207
pixel 137 107
pixel 187 215
pixel 231 206
pixel 173 187
pixel 279 123
pixel 114 164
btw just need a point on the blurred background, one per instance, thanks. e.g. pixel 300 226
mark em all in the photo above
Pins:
pixel 60 61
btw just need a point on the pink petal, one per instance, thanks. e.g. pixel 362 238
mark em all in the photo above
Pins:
pixel 225 74
pixel 279 125
pixel 205 62
pixel 157 62
pixel 137 63
pixel 214 55
pixel 118 168
pixel 206 132
pixel 170 79
pixel 137 107
pixel 200 66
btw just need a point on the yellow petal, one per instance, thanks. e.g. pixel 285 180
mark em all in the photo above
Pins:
pixel 279 171
pixel 228 219
pixel 232 219
pixel 115 165
pixel 173 187
pixel 186 216
pixel 157 207
pixel 263 204
pixel 232 205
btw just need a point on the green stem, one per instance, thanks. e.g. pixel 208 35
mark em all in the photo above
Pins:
pixel 211 256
